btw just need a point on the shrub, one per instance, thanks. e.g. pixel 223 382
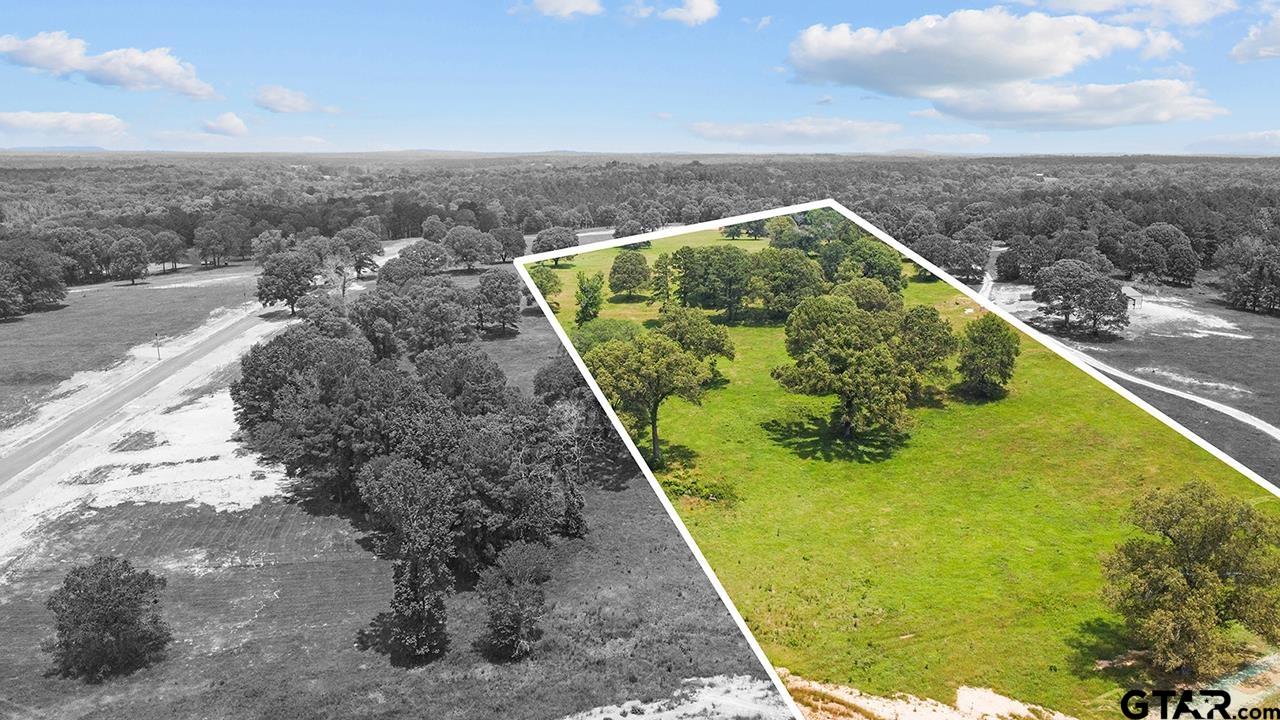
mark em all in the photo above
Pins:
pixel 107 620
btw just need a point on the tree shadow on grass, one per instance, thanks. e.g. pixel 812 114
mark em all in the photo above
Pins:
pixel 1100 647
pixel 377 636
pixel 625 298
pixel 314 498
pixel 964 394
pixel 818 438
pixel 674 456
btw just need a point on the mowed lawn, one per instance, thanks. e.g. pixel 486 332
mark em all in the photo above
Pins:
pixel 969 556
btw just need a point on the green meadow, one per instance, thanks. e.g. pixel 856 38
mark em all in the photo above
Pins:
pixel 966 555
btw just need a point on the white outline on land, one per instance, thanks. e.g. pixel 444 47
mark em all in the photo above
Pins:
pixel 1075 358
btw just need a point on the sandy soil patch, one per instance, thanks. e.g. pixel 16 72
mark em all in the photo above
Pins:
pixel 1179 315
pixel 712 697
pixel 71 394
pixel 822 701
pixel 189 454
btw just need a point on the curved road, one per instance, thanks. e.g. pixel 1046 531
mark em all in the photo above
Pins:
pixel 1257 423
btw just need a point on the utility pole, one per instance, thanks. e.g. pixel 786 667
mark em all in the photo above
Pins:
pixel 157 344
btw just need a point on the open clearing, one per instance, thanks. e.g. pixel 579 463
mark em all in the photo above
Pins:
pixel 98 324
pixel 1187 339
pixel 268 591
pixel 967 557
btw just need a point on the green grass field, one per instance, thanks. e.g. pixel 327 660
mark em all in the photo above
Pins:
pixel 969 556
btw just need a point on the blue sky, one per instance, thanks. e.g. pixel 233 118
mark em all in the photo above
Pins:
pixel 1078 76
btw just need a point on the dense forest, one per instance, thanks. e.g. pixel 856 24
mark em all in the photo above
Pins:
pixel 68 219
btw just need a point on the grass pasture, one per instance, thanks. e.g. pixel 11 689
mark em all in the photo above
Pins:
pixel 967 555
pixel 266 605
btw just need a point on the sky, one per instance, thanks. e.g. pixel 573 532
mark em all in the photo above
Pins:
pixel 1036 76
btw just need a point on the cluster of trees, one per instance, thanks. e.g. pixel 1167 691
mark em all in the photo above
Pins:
pixel 470 246
pixel 847 329
pixel 806 255
pixel 390 407
pixel 1202 566
pixel 293 265
pixel 1082 297
pixel 1251 272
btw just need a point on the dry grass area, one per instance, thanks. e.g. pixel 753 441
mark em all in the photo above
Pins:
pixel 97 324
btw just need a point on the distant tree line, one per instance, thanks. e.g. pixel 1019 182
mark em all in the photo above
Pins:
pixel 1151 219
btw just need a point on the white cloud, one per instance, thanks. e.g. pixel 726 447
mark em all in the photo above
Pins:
pixel 989 67
pixel 764 22
pixel 1157 12
pixel 968 48
pixel 1262 42
pixel 1160 44
pixel 692 12
pixel 280 99
pixel 568 8
pixel 61 55
pixel 64 123
pixel 800 131
pixel 1039 106
pixel 1261 142
pixel 228 123
pixel 663 115
pixel 825 100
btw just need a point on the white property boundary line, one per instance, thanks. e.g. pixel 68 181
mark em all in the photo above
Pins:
pixel 1053 344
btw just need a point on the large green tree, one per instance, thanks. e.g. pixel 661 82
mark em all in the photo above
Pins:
pixel 715 277
pixel 782 278
pixel 638 375
pixel 1203 564
pixel 695 332
pixel 629 272
pixel 988 352
pixel 840 349
pixel 590 297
